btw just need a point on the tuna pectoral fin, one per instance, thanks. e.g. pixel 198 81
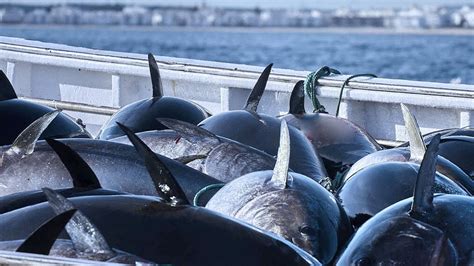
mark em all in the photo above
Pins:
pixel 188 131
pixel 25 143
pixel 190 158
pixel 258 89
pixel 41 240
pixel 81 173
pixel 297 99
pixel 156 83
pixel 417 146
pixel 7 91
pixel 85 236
pixel 280 172
pixel 165 183
pixel 423 195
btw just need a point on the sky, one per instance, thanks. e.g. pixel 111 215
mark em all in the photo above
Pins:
pixel 270 3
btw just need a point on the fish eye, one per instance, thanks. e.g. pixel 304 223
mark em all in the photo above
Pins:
pixel 307 231
pixel 365 261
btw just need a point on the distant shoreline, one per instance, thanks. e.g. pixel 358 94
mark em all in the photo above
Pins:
pixel 337 30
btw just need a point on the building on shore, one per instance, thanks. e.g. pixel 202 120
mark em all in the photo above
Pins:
pixel 204 16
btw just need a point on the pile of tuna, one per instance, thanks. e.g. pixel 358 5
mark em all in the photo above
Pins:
pixel 167 183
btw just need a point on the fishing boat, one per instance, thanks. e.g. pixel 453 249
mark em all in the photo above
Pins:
pixel 91 85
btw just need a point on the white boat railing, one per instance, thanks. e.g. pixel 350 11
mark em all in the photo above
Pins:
pixel 93 84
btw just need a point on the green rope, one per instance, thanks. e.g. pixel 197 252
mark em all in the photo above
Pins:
pixel 310 86
pixel 347 82
pixel 204 190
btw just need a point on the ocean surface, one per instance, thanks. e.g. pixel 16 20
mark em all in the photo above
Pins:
pixel 426 57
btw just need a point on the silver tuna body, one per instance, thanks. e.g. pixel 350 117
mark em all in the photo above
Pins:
pixel 65 248
pixel 117 166
pixel 223 159
pixel 303 212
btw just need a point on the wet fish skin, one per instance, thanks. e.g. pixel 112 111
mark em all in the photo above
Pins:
pixel 117 166
pixel 225 159
pixel 183 235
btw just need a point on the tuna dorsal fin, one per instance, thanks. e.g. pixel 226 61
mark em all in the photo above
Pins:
pixel 188 131
pixel 85 236
pixel 166 185
pixel 41 240
pixel 297 99
pixel 156 83
pixel 423 195
pixel 25 143
pixel 280 172
pixel 258 89
pixel 7 91
pixel 81 173
pixel 417 146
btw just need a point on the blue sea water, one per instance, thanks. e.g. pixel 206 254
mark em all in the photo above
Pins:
pixel 427 57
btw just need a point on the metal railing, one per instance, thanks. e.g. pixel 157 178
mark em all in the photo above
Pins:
pixel 76 107
pixel 104 110
pixel 93 84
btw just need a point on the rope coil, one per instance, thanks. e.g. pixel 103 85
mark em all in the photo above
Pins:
pixel 311 82
pixel 310 86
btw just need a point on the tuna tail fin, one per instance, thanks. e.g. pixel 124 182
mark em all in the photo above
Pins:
pixel 258 89
pixel 423 194
pixel 165 183
pixel 189 131
pixel 280 176
pixel 7 91
pixel 85 236
pixel 417 146
pixel 81 173
pixel 25 143
pixel 156 83
pixel 297 99
pixel 42 240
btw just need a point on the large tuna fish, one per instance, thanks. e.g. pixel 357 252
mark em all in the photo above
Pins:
pixel 17 114
pixel 221 158
pixel 86 240
pixel 288 204
pixel 262 132
pixel 165 229
pixel 425 229
pixel 116 165
pixel 85 182
pixel 337 140
pixel 378 186
pixel 140 116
